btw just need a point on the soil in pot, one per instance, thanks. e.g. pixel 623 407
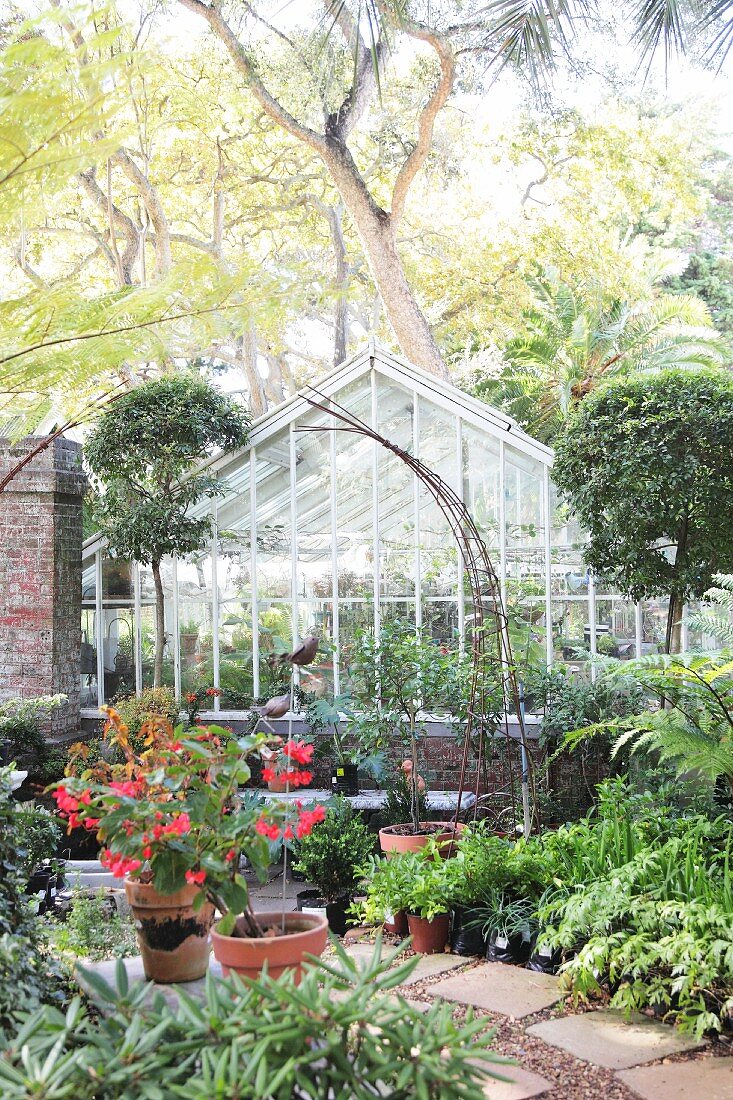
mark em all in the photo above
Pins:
pixel 310 901
pixel 305 934
pixel 395 839
pixel 173 939
pixel 508 949
pixel 429 937
pixel 467 937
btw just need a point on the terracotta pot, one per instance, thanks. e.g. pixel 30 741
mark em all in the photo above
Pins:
pixel 306 934
pixel 173 939
pixel 397 926
pixel 429 937
pixel 393 843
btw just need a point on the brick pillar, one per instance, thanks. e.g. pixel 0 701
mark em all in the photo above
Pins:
pixel 40 576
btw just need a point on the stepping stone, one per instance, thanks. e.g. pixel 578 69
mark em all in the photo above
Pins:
pixel 523 1085
pixel 135 974
pixel 497 987
pixel 430 965
pixel 606 1038
pixel 707 1078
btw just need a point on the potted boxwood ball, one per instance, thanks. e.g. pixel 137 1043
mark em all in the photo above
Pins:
pixel 330 858
pixel 176 829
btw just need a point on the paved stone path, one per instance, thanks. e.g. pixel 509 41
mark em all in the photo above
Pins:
pixel 608 1039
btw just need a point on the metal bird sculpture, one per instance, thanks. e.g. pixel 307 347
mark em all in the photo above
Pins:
pixel 274 708
pixel 304 653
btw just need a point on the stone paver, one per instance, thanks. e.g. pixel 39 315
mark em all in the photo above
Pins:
pixel 135 973
pixel 703 1078
pixel 606 1038
pixel 430 965
pixel 499 988
pixel 523 1085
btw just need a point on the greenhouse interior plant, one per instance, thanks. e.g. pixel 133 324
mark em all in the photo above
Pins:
pixel 330 858
pixel 175 828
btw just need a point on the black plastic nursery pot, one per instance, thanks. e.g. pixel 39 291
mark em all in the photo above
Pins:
pixel 509 949
pixel 310 901
pixel 545 960
pixel 467 937
pixel 345 779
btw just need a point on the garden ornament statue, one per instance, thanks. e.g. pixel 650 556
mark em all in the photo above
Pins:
pixel 304 653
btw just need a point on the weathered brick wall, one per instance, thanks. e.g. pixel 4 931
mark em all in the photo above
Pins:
pixel 40 576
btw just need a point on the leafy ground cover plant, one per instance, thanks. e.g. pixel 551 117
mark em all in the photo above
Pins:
pixel 642 901
pixel 342 1033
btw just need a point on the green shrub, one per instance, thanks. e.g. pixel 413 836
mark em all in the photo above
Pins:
pixel 342 1033
pixel 37 833
pixel 26 976
pixel 330 857
pixel 91 931
pixel 21 723
pixel 135 710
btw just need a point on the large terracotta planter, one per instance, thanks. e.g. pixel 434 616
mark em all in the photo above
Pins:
pixel 429 937
pixel 394 843
pixel 306 934
pixel 173 939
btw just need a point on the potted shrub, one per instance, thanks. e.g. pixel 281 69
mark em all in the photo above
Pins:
pixel 387 881
pixel 427 899
pixel 330 858
pixel 480 862
pixel 352 749
pixel 189 635
pixel 397 675
pixel 176 829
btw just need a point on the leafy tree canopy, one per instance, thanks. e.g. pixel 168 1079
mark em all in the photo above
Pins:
pixel 645 464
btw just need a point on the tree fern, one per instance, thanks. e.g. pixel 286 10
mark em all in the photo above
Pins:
pixel 718 621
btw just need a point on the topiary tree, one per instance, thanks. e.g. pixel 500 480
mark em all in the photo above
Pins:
pixel 144 451
pixel 645 464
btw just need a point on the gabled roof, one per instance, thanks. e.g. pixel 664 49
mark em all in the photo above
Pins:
pixel 373 357
pixel 483 417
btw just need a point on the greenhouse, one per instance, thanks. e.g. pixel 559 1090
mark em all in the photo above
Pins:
pixel 320 530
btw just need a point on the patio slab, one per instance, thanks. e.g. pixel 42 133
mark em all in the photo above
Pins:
pixel 428 966
pixel 706 1078
pixel 495 987
pixel 606 1038
pixel 523 1085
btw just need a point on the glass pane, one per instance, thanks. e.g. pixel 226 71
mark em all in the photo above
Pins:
pixel 316 617
pixel 570 630
pixel 438 450
pixel 481 483
pixel 440 620
pixel 274 541
pixel 276 638
pixel 88 670
pixel 616 628
pixel 313 505
pixel 196 620
pixel 523 478
pixel 234 576
pixel 118 628
pixel 653 626
pixel 396 421
pixel 147 626
pixel 354 459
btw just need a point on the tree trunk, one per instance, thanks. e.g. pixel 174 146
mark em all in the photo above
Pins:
pixel 673 633
pixel 247 346
pixel 377 235
pixel 159 625
pixel 341 281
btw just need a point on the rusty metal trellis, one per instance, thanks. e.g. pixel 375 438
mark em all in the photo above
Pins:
pixel 490 642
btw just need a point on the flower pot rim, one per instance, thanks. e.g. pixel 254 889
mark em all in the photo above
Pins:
pixel 314 923
pixel 448 827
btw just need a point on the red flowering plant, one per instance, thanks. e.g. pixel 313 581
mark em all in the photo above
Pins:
pixel 194 700
pixel 283 762
pixel 173 814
